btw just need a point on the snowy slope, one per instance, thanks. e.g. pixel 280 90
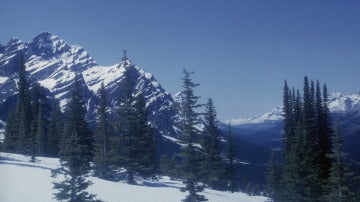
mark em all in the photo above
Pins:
pixel 23 181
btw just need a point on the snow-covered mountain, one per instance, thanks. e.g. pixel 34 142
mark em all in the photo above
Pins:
pixel 273 115
pixel 338 103
pixel 53 63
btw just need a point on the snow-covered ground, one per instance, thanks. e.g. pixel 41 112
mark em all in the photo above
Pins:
pixel 23 181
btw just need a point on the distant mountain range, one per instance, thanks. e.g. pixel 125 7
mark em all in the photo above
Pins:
pixel 267 130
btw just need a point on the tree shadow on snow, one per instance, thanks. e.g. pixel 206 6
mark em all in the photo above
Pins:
pixel 24 165
pixel 160 184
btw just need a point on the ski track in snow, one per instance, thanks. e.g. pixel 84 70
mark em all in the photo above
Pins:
pixel 24 181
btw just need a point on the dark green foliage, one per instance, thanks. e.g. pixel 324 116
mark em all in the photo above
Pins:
pixel 324 132
pixel 75 152
pixel 127 116
pixel 41 136
pixel 39 125
pixel 11 137
pixel 75 169
pixel 191 157
pixel 76 122
pixel 213 165
pixel 23 115
pixel 55 131
pixel 337 185
pixel 169 166
pixel 138 148
pixel 102 138
pixel 273 178
pixel 307 144
pixel 146 144
pixel 231 175
pixel 288 117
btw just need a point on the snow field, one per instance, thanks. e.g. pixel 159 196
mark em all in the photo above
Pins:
pixel 23 181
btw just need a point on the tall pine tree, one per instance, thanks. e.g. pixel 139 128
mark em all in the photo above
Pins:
pixel 337 187
pixel 76 151
pixel 211 144
pixel 11 135
pixel 102 138
pixel 41 136
pixel 138 148
pixel 190 155
pixel 23 113
pixel 55 132
pixel 148 162
pixel 324 132
pixel 273 178
pixel 231 175
pixel 127 117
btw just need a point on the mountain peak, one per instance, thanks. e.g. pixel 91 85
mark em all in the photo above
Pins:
pixel 14 41
pixel 46 44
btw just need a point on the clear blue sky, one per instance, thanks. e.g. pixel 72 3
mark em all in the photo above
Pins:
pixel 240 51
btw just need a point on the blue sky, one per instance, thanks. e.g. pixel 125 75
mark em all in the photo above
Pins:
pixel 240 51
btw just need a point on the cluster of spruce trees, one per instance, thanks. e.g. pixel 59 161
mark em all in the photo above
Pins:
pixel 313 167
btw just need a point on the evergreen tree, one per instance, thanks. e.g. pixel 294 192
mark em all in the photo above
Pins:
pixel 41 137
pixel 312 173
pixel 324 133
pixel 40 109
pixel 102 138
pixel 55 131
pixel 138 146
pixel 10 137
pixel 75 169
pixel 76 121
pixel 149 165
pixel 273 178
pixel 191 157
pixel 127 116
pixel 23 115
pixel 288 117
pixel 232 177
pixel 337 187
pixel 291 185
pixel 76 151
pixel 169 166
pixel 290 188
pixel 213 164
pixel 307 128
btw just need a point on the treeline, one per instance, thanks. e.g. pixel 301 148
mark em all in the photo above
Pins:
pixel 121 148
pixel 313 166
